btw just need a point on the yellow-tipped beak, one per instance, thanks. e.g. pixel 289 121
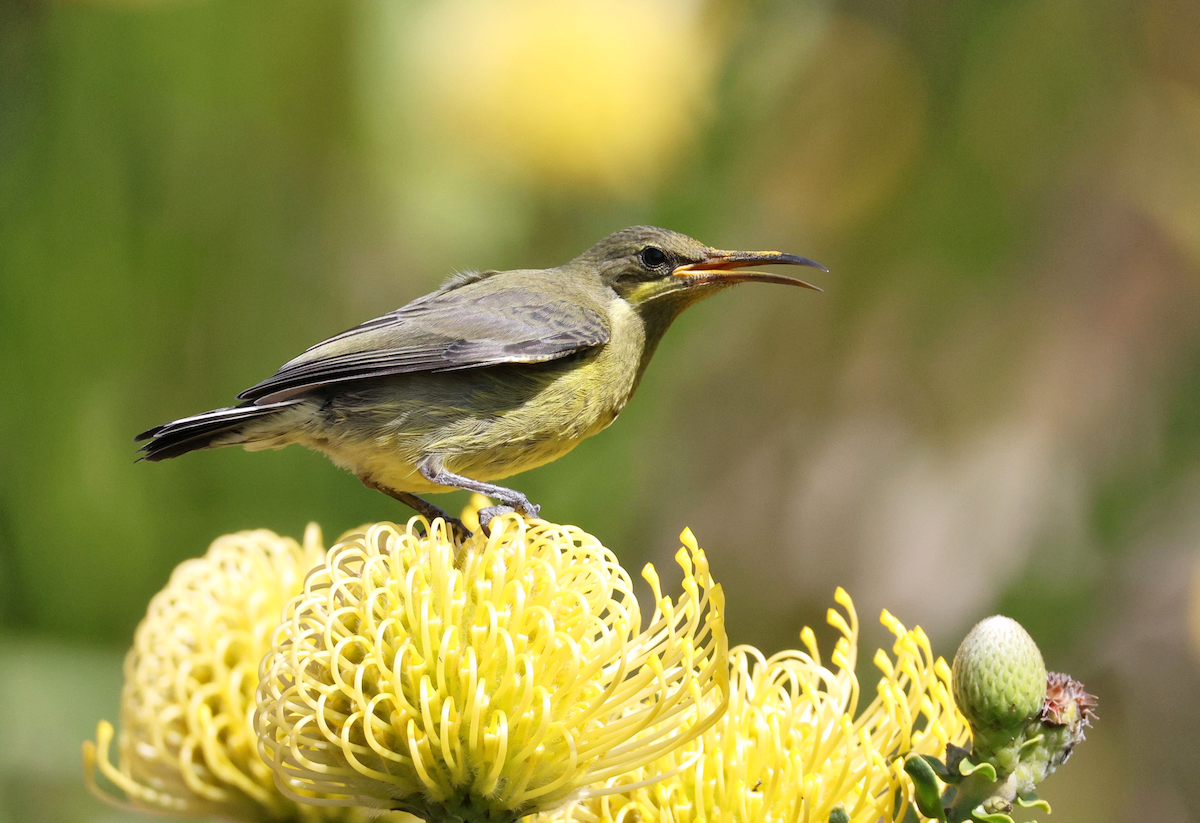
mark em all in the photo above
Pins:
pixel 726 267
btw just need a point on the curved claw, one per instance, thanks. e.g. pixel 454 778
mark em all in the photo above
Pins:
pixel 523 505
pixel 488 514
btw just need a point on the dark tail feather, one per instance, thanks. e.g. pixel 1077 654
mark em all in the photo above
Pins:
pixel 200 430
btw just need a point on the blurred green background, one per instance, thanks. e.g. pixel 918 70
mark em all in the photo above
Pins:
pixel 994 406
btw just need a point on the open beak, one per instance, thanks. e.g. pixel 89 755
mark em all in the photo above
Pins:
pixel 726 267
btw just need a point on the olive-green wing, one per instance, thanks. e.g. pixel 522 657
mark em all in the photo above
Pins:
pixel 461 329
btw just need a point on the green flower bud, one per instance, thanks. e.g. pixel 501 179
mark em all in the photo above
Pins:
pixel 999 676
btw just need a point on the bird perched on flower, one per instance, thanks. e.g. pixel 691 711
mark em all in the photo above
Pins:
pixel 494 373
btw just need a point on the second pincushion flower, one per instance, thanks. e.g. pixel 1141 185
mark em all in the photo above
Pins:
pixel 793 745
pixel 187 745
pixel 488 680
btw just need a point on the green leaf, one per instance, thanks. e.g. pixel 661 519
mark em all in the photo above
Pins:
pixel 986 770
pixel 925 782
pixel 996 817
pixel 1032 801
pixel 942 770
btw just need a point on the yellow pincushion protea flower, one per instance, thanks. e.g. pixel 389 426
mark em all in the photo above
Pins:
pixel 792 745
pixel 187 744
pixel 490 679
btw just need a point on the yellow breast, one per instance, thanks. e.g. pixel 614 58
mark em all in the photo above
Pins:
pixel 581 399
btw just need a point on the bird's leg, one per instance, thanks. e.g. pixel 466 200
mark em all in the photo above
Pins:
pixel 431 469
pixel 422 507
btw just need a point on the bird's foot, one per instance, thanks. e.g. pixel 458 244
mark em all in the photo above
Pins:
pixel 522 505
pixel 510 501
pixel 457 531
pixel 486 515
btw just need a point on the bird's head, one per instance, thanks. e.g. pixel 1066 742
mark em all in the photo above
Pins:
pixel 653 267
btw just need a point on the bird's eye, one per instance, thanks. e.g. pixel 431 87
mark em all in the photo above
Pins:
pixel 652 258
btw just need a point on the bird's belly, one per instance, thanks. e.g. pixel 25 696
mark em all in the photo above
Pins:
pixel 396 469
pixel 485 425
pixel 517 455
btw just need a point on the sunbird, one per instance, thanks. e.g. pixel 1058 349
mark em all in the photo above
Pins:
pixel 495 373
